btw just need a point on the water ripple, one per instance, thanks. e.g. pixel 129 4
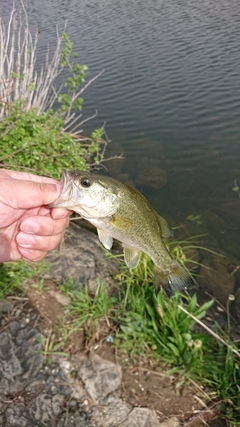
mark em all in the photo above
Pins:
pixel 171 74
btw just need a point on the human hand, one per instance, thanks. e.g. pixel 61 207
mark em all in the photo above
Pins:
pixel 28 228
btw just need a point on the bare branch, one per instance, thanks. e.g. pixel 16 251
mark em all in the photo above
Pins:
pixel 18 75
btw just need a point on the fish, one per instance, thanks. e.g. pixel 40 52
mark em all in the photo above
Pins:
pixel 121 212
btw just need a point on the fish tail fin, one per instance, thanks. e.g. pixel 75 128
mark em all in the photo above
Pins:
pixel 177 279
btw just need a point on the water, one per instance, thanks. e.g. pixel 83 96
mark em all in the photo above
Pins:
pixel 170 98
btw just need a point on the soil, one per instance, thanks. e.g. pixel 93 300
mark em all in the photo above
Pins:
pixel 143 383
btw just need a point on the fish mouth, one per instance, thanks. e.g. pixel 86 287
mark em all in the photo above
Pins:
pixel 65 190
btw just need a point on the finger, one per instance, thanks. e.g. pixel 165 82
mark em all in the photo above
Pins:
pixel 25 176
pixel 43 226
pixel 31 255
pixel 43 211
pixel 58 213
pixel 38 243
pixel 28 194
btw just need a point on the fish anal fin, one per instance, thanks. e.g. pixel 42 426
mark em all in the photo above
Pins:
pixel 165 228
pixel 104 238
pixel 131 256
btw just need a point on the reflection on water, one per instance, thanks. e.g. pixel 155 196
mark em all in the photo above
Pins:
pixel 170 98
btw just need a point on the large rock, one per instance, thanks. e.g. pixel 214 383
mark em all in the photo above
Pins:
pixel 141 417
pixel 113 414
pixel 19 356
pixel 82 258
pixel 101 377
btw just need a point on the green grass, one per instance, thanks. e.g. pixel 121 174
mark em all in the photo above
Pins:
pixel 13 274
pixel 143 325
pixel 160 329
pixel 157 326
pixel 85 309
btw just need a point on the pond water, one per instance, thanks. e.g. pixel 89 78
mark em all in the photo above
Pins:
pixel 170 98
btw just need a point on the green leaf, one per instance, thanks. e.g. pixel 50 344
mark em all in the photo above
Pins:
pixel 174 349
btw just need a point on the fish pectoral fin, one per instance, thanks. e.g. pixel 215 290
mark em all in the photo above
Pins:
pixel 131 256
pixel 166 230
pixel 104 238
pixel 121 222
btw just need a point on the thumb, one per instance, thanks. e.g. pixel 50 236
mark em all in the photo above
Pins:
pixel 21 194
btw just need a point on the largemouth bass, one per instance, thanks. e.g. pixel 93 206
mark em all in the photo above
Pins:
pixel 121 212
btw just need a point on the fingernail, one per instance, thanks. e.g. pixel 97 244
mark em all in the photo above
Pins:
pixel 25 240
pixel 29 226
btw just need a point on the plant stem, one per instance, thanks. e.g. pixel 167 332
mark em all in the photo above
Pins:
pixel 210 331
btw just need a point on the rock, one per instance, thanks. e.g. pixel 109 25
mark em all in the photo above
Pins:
pixel 115 167
pixel 19 346
pixel 101 377
pixel 46 407
pixel 17 416
pixel 141 417
pixel 113 415
pixel 5 306
pixel 124 177
pixel 62 299
pixel 68 367
pixel 32 395
pixel 82 258
pixel 172 422
pixel 150 175
pixel 215 279
pixel 67 420
pixel 73 403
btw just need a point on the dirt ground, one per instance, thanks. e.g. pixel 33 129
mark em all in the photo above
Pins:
pixel 143 383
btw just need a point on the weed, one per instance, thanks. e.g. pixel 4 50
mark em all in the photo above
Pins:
pixel 50 347
pixel 33 136
pixel 229 300
pixel 40 286
pixel 195 218
pixel 39 143
pixel 157 326
pixel 185 252
pixel 13 274
pixel 223 379
pixel 86 309
pixel 236 188
pixel 166 331
pixel 66 287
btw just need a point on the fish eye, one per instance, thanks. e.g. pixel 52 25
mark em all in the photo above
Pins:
pixel 85 182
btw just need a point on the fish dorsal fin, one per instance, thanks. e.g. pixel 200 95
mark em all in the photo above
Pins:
pixel 131 256
pixel 166 230
pixel 104 238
